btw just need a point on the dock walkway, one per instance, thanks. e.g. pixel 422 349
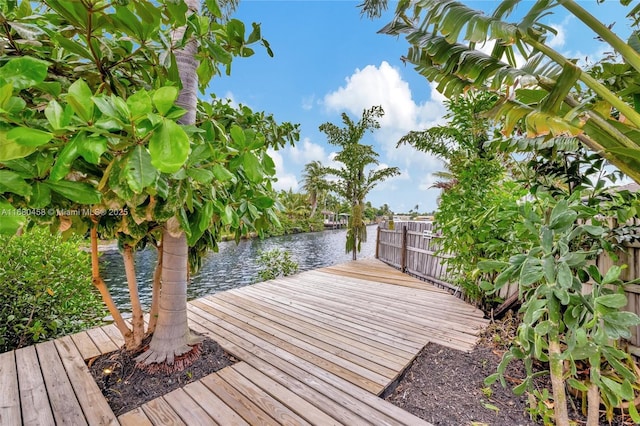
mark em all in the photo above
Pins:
pixel 314 348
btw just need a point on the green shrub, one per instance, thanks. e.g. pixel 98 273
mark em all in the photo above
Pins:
pixel 45 288
pixel 276 263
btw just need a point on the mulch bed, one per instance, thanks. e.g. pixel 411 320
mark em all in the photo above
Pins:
pixel 127 387
pixel 446 387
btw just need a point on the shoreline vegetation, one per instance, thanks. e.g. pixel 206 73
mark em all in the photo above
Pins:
pixel 112 245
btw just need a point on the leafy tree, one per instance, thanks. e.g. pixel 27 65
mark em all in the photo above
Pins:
pixel 294 204
pixel 314 183
pixel 101 129
pixel 549 98
pixel 549 95
pixel 478 202
pixel 369 211
pixel 354 182
pixel 384 210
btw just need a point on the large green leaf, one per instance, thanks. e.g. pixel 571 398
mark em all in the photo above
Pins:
pixel 203 176
pixel 65 159
pixel 29 137
pixel 612 300
pixel 169 147
pixel 23 72
pixel 139 171
pixel 12 182
pixel 92 147
pixel 40 196
pixel 252 167
pixel 58 116
pixel 221 173
pixel 10 149
pixel 531 272
pixel 79 97
pixel 238 136
pixel 164 98
pixel 78 192
pixel 10 219
pixel 139 104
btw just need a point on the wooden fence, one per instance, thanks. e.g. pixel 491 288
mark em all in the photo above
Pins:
pixel 412 246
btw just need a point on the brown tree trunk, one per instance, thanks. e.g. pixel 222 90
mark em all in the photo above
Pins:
pixel 557 384
pixel 99 283
pixel 137 315
pixel 593 396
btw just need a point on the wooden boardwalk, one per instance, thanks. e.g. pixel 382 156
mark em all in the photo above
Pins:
pixel 315 348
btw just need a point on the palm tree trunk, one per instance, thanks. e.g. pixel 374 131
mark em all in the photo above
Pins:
pixel 155 294
pixel 172 338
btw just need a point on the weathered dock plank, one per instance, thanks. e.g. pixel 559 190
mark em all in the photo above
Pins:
pixel 316 348
pixel 94 406
pixel 64 404
pixel 33 392
pixel 9 397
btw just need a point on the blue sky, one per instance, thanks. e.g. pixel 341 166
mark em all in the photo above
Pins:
pixel 328 60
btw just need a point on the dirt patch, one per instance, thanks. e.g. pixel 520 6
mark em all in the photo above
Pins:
pixel 446 387
pixel 126 387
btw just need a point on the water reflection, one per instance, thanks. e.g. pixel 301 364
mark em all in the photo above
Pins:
pixel 234 265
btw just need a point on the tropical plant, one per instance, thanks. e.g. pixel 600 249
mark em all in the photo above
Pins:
pixel 548 98
pixel 46 289
pixel 561 323
pixel 384 210
pixel 354 182
pixel 478 201
pixel 96 134
pixel 275 263
pixel 294 204
pixel 549 95
pixel 314 183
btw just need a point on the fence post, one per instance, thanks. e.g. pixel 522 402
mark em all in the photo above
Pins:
pixel 378 243
pixel 403 252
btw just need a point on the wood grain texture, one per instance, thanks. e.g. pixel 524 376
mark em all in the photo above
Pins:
pixel 64 403
pixel 315 348
pixel 9 396
pixel 94 405
pixel 33 393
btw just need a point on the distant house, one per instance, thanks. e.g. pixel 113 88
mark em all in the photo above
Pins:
pixel 334 220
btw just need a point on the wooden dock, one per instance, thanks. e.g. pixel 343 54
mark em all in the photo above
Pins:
pixel 315 348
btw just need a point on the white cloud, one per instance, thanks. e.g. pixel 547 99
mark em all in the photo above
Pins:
pixel 559 39
pixel 306 152
pixel 231 98
pixel 427 182
pixel 286 180
pixel 384 86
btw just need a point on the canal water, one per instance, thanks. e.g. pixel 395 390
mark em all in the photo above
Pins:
pixel 235 265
